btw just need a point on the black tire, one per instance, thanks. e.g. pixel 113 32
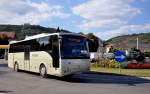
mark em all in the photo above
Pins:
pixel 43 72
pixel 16 67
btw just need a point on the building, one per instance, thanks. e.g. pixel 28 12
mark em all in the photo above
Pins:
pixel 5 37
pixel 143 47
pixel 9 35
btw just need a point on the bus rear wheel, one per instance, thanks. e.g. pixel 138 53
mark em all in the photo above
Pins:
pixel 43 71
pixel 16 67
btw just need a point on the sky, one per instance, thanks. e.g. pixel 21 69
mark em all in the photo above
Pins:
pixel 104 18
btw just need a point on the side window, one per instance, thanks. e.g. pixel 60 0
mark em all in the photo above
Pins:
pixel 20 47
pixel 17 47
pixel 14 48
pixel 45 44
pixel 35 45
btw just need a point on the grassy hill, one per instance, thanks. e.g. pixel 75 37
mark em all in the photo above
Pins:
pixel 129 41
pixel 143 37
pixel 27 30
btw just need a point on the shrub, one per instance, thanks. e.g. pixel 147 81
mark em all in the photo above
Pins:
pixel 108 63
pixel 147 54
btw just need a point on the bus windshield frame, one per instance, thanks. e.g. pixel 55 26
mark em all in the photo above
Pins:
pixel 74 47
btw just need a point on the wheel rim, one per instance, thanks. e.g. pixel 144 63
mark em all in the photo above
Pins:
pixel 43 71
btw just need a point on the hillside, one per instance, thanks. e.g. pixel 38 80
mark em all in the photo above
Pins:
pixel 129 41
pixel 27 30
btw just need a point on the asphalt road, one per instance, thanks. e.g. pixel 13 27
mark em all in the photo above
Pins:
pixel 85 83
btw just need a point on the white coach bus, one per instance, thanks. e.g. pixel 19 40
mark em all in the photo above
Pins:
pixel 58 54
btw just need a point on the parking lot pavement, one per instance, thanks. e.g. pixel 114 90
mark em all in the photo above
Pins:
pixel 85 83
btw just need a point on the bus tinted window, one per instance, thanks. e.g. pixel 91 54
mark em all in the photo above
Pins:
pixel 74 47
pixel 45 43
pixel 17 47
pixel 40 44
pixel 33 45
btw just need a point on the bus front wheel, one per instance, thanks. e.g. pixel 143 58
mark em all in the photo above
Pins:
pixel 43 71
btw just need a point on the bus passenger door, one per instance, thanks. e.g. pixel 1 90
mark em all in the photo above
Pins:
pixel 55 51
pixel 27 58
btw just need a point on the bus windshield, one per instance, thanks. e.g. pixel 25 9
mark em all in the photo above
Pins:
pixel 74 47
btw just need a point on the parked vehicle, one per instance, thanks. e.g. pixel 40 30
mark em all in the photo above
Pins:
pixel 108 55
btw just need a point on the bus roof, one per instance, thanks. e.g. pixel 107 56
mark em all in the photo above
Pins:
pixel 43 35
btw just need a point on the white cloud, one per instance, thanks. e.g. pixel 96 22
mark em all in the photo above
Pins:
pixel 112 16
pixel 124 30
pixel 105 13
pixel 103 23
pixel 26 11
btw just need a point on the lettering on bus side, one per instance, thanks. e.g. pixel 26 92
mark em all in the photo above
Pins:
pixel 35 55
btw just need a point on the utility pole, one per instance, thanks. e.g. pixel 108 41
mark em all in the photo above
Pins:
pixel 137 43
